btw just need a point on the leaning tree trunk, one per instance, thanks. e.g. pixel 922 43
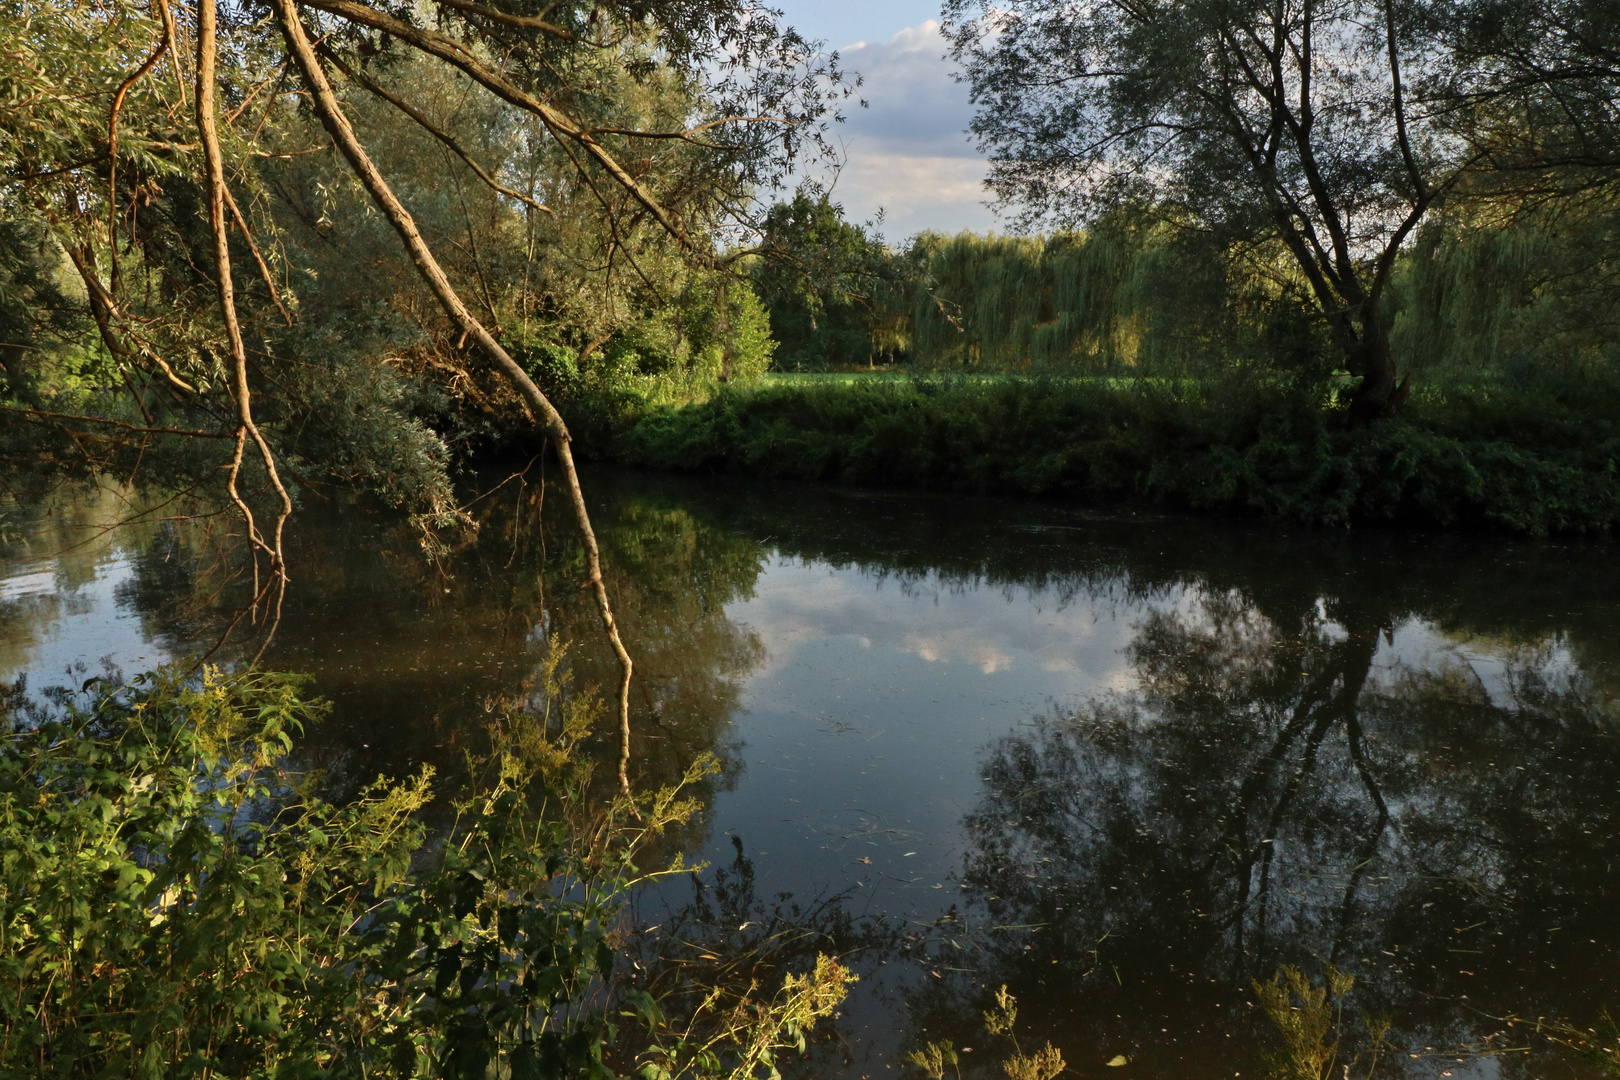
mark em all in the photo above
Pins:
pixel 343 137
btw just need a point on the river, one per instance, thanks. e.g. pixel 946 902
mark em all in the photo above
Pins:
pixel 1125 764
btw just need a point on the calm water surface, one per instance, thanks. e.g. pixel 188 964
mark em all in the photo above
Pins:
pixel 1124 765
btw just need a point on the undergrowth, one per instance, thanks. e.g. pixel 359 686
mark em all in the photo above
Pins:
pixel 1529 462
pixel 175 902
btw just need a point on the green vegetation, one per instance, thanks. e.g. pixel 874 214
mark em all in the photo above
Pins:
pixel 175 902
pixel 1142 363
pixel 933 1057
pixel 1310 1022
pixel 1545 467
pixel 1432 343
pixel 253 252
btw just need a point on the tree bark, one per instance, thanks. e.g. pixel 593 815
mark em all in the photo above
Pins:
pixel 1371 359
pixel 246 428
pixel 342 134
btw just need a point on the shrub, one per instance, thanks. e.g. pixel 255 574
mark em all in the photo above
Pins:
pixel 174 902
pixel 1246 447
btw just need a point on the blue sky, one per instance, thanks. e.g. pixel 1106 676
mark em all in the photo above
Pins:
pixel 907 153
pixel 841 23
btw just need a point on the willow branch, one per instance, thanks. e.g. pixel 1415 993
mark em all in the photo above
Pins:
pixel 253 246
pixel 427 125
pixel 343 136
pixel 557 123
pixel 172 39
pixel 246 427
pixel 112 153
pixel 104 309
pixel 521 22
pixel 45 414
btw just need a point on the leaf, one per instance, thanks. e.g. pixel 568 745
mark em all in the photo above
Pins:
pixel 644 1008
pixel 1118 1060
pixel 526 1063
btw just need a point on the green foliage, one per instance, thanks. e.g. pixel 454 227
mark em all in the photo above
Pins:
pixel 1499 299
pixel 1132 294
pixel 1126 296
pixel 713 330
pixel 175 903
pixel 111 316
pixel 35 314
pixel 1537 466
pixel 836 294
pixel 1047 1063
pixel 1310 1021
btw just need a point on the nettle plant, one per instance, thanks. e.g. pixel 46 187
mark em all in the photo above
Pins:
pixel 175 902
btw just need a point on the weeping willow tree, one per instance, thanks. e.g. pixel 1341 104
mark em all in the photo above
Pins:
pixel 1507 295
pixel 1493 292
pixel 1131 295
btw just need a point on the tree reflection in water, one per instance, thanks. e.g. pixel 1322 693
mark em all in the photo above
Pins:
pixel 1302 787
pixel 1390 752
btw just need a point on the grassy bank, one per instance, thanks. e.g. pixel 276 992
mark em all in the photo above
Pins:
pixel 1536 462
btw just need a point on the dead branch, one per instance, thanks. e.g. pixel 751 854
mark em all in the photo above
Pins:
pixel 137 429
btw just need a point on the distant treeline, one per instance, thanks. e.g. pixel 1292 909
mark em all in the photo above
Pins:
pixel 1474 299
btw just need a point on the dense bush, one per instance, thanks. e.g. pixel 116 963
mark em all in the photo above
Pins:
pixel 174 903
pixel 1534 463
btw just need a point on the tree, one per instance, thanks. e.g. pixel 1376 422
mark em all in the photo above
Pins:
pixel 669 115
pixel 835 292
pixel 1299 122
pixel 1534 88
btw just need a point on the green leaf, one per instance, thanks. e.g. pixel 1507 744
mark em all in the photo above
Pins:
pixel 644 1008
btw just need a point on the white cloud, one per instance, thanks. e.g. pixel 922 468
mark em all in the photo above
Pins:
pixel 942 194
pixel 908 152
pixel 1066 648
pixel 839 22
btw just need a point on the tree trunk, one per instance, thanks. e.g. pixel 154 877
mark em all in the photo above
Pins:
pixel 1370 358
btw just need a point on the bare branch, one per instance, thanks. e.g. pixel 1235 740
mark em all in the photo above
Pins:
pixel 342 133
pixel 137 429
pixel 246 426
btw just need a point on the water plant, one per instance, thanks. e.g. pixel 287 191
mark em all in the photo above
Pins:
pixel 933 1057
pixel 1309 1020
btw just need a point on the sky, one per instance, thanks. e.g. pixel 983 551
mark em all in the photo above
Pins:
pixel 907 153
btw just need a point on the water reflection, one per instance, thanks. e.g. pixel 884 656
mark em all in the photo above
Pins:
pixel 1131 762
pixel 1340 784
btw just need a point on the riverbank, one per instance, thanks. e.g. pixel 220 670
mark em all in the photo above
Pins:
pixel 1533 463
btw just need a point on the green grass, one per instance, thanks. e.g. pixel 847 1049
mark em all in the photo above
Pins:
pixel 1528 463
pixel 856 377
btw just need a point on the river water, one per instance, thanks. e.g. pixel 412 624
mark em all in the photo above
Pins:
pixel 1124 764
